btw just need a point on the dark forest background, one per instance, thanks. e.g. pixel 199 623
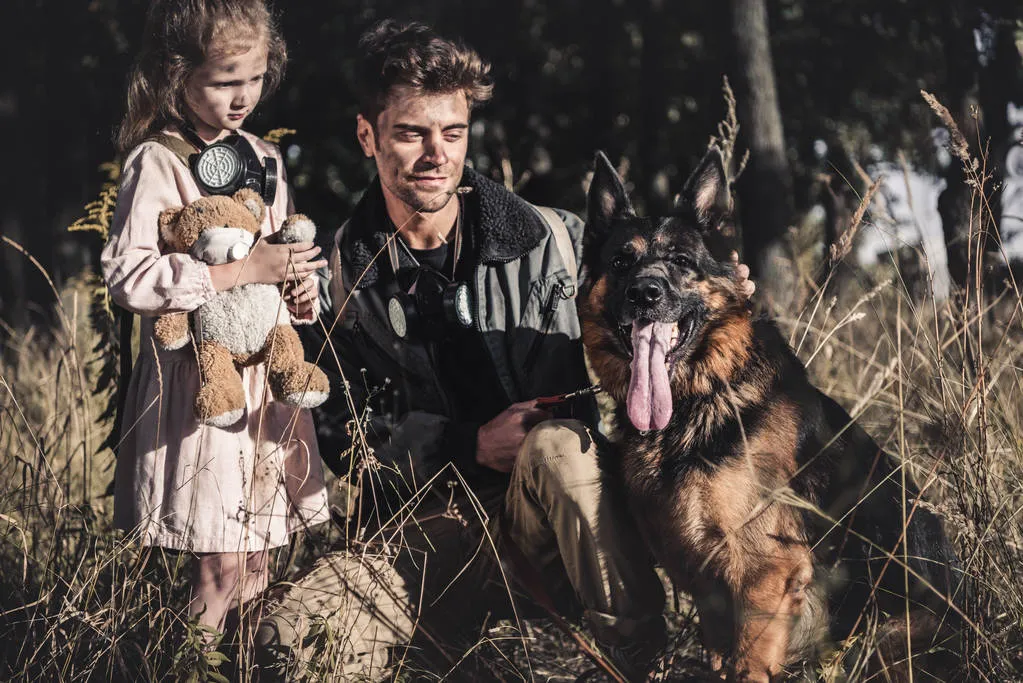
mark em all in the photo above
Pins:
pixel 640 79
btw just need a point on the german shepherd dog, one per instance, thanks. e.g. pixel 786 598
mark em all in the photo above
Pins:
pixel 758 494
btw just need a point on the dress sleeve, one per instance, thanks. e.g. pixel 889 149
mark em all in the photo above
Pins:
pixel 139 277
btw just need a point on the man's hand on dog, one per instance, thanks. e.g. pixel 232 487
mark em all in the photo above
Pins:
pixel 746 286
pixel 498 441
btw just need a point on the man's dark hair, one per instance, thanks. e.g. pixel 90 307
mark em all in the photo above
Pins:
pixel 393 54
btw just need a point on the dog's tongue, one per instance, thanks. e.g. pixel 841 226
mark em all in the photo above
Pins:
pixel 649 399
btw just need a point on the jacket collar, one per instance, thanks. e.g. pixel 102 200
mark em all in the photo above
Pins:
pixel 505 228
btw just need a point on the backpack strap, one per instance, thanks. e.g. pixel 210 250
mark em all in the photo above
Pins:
pixel 126 328
pixel 182 149
pixel 561 239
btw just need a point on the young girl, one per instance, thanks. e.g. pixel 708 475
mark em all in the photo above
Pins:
pixel 223 495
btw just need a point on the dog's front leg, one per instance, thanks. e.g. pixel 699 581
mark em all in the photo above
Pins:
pixel 770 602
pixel 716 606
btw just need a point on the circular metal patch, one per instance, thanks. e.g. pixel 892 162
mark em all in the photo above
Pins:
pixel 396 316
pixel 463 305
pixel 218 166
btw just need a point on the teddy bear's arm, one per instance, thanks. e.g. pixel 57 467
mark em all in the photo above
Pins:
pixel 170 331
pixel 297 228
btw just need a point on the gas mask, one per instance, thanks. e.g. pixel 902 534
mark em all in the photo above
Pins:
pixel 431 304
pixel 228 165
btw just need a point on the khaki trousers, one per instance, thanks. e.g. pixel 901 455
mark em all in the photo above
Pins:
pixel 424 600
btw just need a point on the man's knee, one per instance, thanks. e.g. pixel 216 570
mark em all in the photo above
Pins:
pixel 358 605
pixel 560 454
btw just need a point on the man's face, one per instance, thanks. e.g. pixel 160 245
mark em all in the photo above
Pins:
pixel 419 146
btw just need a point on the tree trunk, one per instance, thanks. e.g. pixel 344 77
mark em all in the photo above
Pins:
pixel 954 201
pixel 765 188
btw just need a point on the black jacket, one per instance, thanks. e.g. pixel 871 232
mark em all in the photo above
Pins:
pixel 525 314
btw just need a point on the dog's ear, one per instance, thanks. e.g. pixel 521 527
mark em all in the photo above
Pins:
pixel 605 201
pixel 706 191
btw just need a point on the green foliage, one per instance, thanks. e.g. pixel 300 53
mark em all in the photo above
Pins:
pixel 197 660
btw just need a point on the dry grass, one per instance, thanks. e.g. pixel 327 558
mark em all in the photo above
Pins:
pixel 939 386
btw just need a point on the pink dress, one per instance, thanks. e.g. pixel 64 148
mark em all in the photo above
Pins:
pixel 179 484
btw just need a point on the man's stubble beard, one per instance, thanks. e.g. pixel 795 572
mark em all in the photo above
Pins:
pixel 431 203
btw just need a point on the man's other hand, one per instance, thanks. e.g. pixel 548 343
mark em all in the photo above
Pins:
pixel 498 441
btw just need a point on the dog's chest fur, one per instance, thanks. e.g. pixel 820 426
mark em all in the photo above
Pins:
pixel 241 318
pixel 707 500
pixel 697 489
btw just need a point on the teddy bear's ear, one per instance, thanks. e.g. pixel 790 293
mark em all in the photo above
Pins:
pixel 168 219
pixel 251 200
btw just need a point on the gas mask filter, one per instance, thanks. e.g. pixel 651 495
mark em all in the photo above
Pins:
pixel 228 165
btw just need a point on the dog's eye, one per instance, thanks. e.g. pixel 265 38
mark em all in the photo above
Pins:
pixel 622 262
pixel 683 261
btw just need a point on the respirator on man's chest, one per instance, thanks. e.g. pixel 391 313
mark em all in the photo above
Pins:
pixel 228 165
pixel 430 305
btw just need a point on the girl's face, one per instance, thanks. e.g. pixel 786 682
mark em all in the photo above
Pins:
pixel 222 92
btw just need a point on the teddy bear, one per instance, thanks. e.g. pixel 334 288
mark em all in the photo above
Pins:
pixel 241 326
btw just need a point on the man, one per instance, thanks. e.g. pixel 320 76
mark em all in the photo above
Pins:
pixel 472 491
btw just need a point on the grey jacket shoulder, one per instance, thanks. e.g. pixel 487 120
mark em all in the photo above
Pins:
pixel 574 224
pixel 575 227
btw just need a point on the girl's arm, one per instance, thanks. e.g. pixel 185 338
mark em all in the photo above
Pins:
pixel 143 280
pixel 139 277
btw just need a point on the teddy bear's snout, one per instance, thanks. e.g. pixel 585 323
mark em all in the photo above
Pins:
pixel 222 245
